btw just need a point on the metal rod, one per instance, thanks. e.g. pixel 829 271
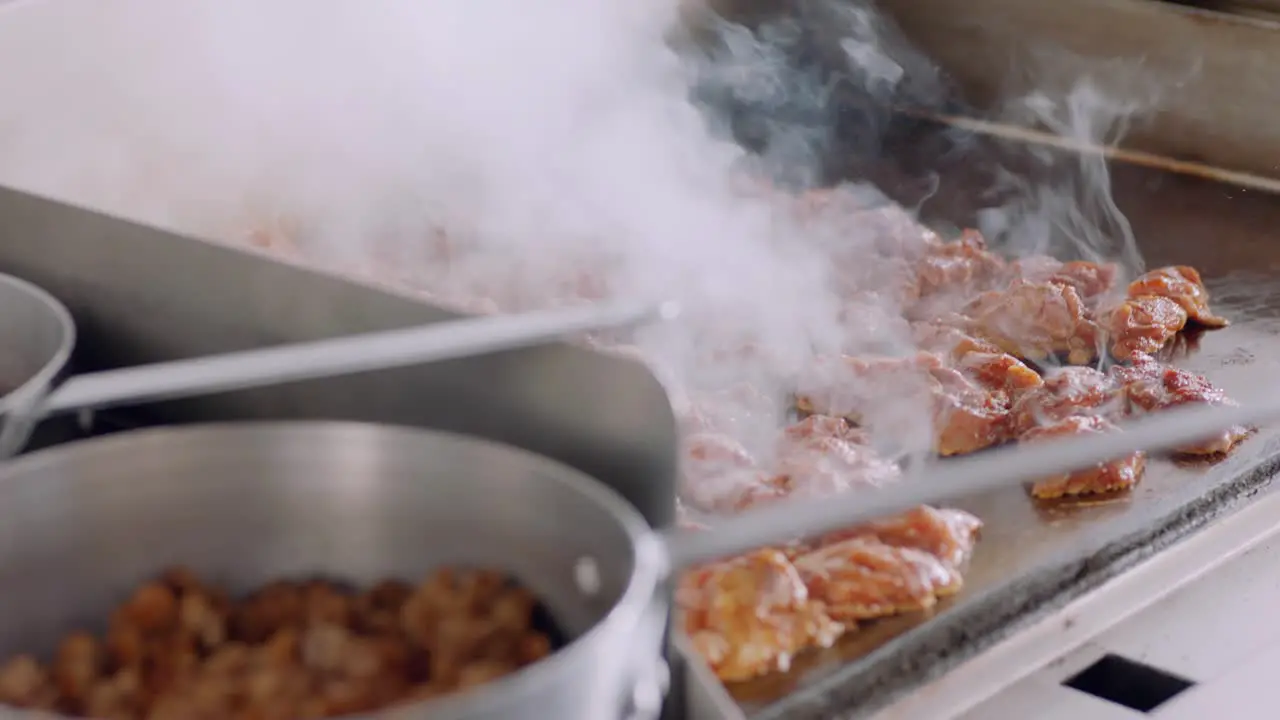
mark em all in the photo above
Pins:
pixel 1134 157
pixel 951 479
pixel 339 356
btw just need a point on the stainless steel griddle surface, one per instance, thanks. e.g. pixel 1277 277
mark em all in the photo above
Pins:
pixel 1032 557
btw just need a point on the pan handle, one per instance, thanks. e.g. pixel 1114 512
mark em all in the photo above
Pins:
pixel 952 479
pixel 322 358
pixel 342 356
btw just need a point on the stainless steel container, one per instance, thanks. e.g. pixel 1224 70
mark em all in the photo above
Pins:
pixel 243 504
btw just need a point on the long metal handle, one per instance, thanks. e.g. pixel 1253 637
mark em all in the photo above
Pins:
pixel 951 479
pixel 340 356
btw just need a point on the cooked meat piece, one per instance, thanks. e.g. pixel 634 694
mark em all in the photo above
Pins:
pixel 851 387
pixel 1092 281
pixel 715 471
pixel 1142 325
pixel 959 268
pixel 1000 371
pixel 750 616
pixel 822 456
pixel 819 428
pixel 1120 474
pixel 1151 387
pixel 948 340
pixel 949 535
pixel 1183 285
pixel 978 359
pixel 862 578
pixel 1067 392
pixel 1037 322
pixel 967 417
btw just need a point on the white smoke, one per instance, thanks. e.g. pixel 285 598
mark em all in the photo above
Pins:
pixel 554 142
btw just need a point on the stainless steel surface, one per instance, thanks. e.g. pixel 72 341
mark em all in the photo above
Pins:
pixel 53 334
pixel 246 503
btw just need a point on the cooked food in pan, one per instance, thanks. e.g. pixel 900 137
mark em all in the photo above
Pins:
pixel 179 649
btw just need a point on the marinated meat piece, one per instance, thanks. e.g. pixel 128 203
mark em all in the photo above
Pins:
pixel 717 473
pixel 1120 474
pixel 1067 392
pixel 1151 387
pixel 1183 285
pixel 978 359
pixel 850 387
pixel 1142 325
pixel 862 579
pixel 822 456
pixel 949 275
pixel 949 535
pixel 1000 372
pixel 948 340
pixel 1092 281
pixel 1036 321
pixel 963 265
pixel 820 428
pixel 751 615
pixel 967 417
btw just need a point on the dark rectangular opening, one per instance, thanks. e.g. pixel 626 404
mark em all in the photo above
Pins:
pixel 1126 682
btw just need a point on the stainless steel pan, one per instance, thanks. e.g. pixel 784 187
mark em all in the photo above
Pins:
pixel 248 503
pixel 37 335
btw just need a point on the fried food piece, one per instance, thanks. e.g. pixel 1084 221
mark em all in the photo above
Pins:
pixel 751 615
pixel 1036 322
pixel 1183 285
pixel 947 534
pixel 863 578
pixel 1067 392
pixel 1120 474
pixel 1142 325
pixel 1151 387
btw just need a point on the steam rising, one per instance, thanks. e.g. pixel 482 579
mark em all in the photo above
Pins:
pixel 525 154
pixel 1069 211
